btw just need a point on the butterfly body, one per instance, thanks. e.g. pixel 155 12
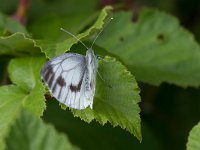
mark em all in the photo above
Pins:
pixel 71 78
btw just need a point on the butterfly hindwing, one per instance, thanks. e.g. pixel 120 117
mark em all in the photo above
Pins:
pixel 65 76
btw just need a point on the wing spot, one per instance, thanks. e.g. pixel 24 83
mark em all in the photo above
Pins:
pixel 61 81
pixel 75 88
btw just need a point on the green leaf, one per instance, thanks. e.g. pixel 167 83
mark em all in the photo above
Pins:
pixel 116 99
pixel 52 49
pixel 30 132
pixel 7 24
pixel 100 137
pixel 193 139
pixel 25 71
pixel 12 100
pixel 155 48
pixel 72 15
pixel 27 93
pixel 17 44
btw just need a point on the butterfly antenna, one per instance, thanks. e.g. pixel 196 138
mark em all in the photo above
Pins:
pixel 100 32
pixel 74 37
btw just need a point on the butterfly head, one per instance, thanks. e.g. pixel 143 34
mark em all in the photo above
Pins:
pixel 89 51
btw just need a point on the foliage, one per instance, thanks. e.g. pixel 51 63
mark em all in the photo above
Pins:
pixel 25 92
pixel 193 140
pixel 155 44
pixel 148 46
pixel 37 135
pixel 111 102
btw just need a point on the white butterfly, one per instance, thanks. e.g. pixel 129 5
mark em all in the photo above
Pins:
pixel 71 77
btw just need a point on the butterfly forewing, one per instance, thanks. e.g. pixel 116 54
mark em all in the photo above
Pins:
pixel 66 77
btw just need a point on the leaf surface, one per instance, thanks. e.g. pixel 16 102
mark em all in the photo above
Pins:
pixel 18 44
pixel 116 100
pixel 30 132
pixel 26 92
pixel 193 139
pixel 52 49
pixel 155 48
pixel 48 18
pixel 8 24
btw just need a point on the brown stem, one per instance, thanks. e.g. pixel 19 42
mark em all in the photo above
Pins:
pixel 21 12
pixel 107 2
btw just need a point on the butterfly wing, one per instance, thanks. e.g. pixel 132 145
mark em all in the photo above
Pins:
pixel 65 76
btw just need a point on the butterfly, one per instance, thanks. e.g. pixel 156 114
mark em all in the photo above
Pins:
pixel 71 77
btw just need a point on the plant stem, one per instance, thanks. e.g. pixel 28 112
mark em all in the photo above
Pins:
pixel 21 12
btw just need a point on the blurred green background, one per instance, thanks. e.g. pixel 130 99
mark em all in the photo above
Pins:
pixel 168 112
